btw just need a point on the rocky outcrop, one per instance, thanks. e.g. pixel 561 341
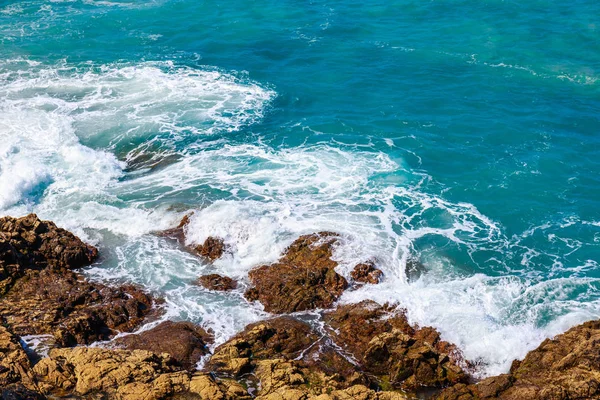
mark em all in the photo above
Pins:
pixel 564 368
pixel 366 273
pixel 217 282
pixel 303 279
pixel 29 243
pixel 185 342
pixel 126 375
pixel 385 345
pixel 73 310
pixel 42 295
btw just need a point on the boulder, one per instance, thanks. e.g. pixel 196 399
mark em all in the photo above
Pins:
pixel 185 342
pixel 217 282
pixel 366 273
pixel 385 345
pixel 564 368
pixel 30 243
pixel 303 279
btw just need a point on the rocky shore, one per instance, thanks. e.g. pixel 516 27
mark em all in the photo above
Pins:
pixel 363 351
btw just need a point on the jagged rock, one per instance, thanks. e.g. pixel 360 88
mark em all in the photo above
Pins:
pixel 366 273
pixel 15 369
pixel 183 341
pixel 74 311
pixel 217 282
pixel 42 295
pixel 282 337
pixel 19 392
pixel 29 243
pixel 212 248
pixel 126 375
pixel 386 346
pixel 564 368
pixel 303 279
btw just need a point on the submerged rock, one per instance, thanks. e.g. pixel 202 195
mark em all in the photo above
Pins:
pixel 183 341
pixel 366 273
pixel 217 282
pixel 303 279
pixel 564 368
pixel 385 345
pixel 213 247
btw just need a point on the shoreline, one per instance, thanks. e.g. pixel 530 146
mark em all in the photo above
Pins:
pixel 363 350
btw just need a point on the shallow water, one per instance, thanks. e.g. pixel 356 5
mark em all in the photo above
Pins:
pixel 461 134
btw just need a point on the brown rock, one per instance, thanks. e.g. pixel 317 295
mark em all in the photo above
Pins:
pixel 366 273
pixel 74 311
pixel 386 346
pixel 564 368
pixel 212 248
pixel 15 369
pixel 217 282
pixel 126 375
pixel 29 243
pixel 303 279
pixel 183 341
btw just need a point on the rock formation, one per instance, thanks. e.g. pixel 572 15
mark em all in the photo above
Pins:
pixel 564 368
pixel 385 345
pixel 303 279
pixel 366 273
pixel 185 342
pixel 217 282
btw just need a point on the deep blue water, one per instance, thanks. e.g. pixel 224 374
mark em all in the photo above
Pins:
pixel 465 135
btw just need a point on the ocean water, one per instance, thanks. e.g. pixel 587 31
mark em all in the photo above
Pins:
pixel 463 135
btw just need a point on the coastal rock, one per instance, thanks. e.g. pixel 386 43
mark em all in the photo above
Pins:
pixel 303 279
pixel 564 368
pixel 15 369
pixel 385 345
pixel 30 243
pixel 42 295
pixel 74 311
pixel 217 282
pixel 282 337
pixel 366 273
pixel 212 248
pixel 127 375
pixel 185 342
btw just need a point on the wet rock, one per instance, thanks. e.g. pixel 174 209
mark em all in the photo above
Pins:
pixel 217 282
pixel 212 248
pixel 19 392
pixel 183 341
pixel 303 279
pixel 386 346
pixel 566 367
pixel 366 273
pixel 74 311
pixel 30 243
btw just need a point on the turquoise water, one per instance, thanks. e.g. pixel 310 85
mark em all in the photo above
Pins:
pixel 461 134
